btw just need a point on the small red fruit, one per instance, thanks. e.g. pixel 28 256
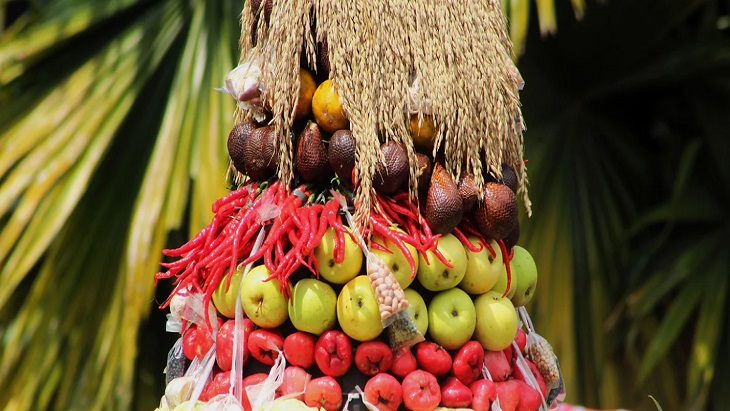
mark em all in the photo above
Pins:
pixel 498 365
pixel 508 394
pixel 421 391
pixel 299 349
pixel 433 358
pixel 535 373
pixel 530 399
pixel 252 379
pixel 197 341
pixel 220 384
pixel 454 394
pixel 224 343
pixel 404 362
pixel 483 391
pixel 373 357
pixel 468 362
pixel 295 381
pixel 521 339
pixel 333 353
pixel 263 344
pixel 323 392
pixel 384 392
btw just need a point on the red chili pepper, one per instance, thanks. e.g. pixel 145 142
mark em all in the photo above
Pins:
pixel 465 241
pixel 393 236
pixel 506 258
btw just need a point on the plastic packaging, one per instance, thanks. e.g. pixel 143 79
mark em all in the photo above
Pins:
pixel 245 83
pixel 521 363
pixel 176 362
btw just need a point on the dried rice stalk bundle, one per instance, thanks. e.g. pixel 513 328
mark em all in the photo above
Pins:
pixel 459 52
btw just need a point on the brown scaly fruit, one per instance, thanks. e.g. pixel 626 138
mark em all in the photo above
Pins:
pixel 425 167
pixel 253 148
pixel 270 150
pixel 513 237
pixel 323 60
pixel 509 177
pixel 311 155
pixel 341 154
pixel 236 139
pixel 394 171
pixel 496 215
pixel 468 192
pixel 443 209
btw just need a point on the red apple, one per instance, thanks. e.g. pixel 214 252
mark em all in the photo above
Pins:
pixel 323 392
pixel 220 384
pixel 521 339
pixel 498 365
pixel 421 391
pixel 404 362
pixel 483 391
pixel 530 398
pixel 333 353
pixel 224 343
pixel 295 381
pixel 299 349
pixel 508 394
pixel 373 357
pixel 384 392
pixel 468 362
pixel 433 358
pixel 454 394
pixel 197 341
pixel 261 342
pixel 252 379
pixel 536 373
pixel 509 354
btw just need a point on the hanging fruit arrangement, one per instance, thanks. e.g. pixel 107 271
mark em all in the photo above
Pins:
pixel 366 254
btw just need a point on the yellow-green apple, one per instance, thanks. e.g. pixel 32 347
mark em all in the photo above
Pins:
pixel 329 269
pixel 262 300
pixel 396 260
pixel 225 301
pixel 496 321
pixel 524 276
pixel 501 285
pixel 482 268
pixel 357 310
pixel 451 318
pixel 417 309
pixel 434 275
pixel 312 306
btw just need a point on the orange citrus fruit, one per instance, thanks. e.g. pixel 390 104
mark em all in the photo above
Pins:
pixel 306 92
pixel 327 109
pixel 423 131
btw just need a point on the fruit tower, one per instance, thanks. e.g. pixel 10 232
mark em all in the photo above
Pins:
pixel 366 255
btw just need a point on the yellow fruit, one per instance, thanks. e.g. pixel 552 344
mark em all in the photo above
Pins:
pixel 327 109
pixel 306 92
pixel 423 131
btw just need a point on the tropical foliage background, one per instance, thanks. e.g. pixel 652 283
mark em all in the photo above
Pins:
pixel 112 146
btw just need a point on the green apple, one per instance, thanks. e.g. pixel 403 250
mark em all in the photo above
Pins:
pixel 417 309
pixel 225 301
pixel 337 273
pixel 312 306
pixel 482 269
pixel 357 310
pixel 435 275
pixel 396 260
pixel 497 321
pixel 451 318
pixel 524 276
pixel 501 283
pixel 262 300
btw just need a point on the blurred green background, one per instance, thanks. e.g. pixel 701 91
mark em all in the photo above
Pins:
pixel 112 145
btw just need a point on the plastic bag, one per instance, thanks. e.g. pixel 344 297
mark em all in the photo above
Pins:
pixel 541 353
pixel 521 363
pixel 246 84
pixel 176 362
pixel 263 393
pixel 200 372
pixel 418 103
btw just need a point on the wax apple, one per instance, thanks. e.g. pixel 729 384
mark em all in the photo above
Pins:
pixel 433 358
pixel 498 365
pixel 294 382
pixel 467 366
pixel 224 343
pixel 324 392
pixel 421 391
pixel 357 310
pixel 524 276
pixel 417 309
pixel 299 349
pixel 404 362
pixel 508 393
pixel 434 275
pixel 451 318
pixel 384 392
pixel 454 394
pixel 253 379
pixel 262 300
pixel 535 375
pixel 496 325
pixel 260 343
pixel 483 392
pixel 197 341
pixel 373 357
pixel 220 384
pixel 333 353
pixel 312 306
pixel 396 260
pixel 521 340
pixel 482 268
pixel 329 269
pixel 530 398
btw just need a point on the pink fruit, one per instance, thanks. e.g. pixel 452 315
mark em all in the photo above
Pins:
pixel 483 392
pixel 333 353
pixel 373 357
pixel 454 394
pixel 197 341
pixel 521 340
pixel 260 343
pixel 299 349
pixel 295 381
pixel 468 362
pixel 508 394
pixel 252 379
pixel 433 358
pixel 384 392
pixel 530 399
pixel 224 343
pixel 536 373
pixel 498 365
pixel 220 384
pixel 404 362
pixel 421 391
pixel 324 392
